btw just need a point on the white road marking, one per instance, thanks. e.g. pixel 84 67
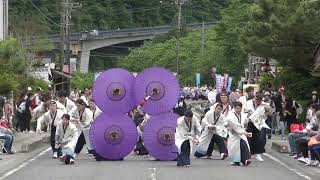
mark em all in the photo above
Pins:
pixel 286 166
pixel 152 174
pixel 23 164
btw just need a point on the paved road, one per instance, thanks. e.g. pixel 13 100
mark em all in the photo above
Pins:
pixel 143 168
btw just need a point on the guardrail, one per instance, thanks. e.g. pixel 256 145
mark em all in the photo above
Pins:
pixel 84 36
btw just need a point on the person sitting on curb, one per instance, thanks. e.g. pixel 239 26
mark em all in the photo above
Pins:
pixel 293 136
pixel 302 143
pixel 7 135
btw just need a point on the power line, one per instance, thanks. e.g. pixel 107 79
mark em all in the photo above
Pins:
pixel 43 14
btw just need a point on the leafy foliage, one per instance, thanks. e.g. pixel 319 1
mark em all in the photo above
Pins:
pixel 82 80
pixel 109 14
pixel 284 30
pixel 299 85
pixel 14 68
pixel 221 49
pixel 13 58
pixel 266 81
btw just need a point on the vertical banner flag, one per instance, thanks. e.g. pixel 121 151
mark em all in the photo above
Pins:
pixel 218 82
pixel 198 79
pixel 225 81
pixel 230 83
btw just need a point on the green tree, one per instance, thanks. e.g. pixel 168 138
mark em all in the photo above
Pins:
pixel 14 68
pixel 222 49
pixel 82 80
pixel 284 30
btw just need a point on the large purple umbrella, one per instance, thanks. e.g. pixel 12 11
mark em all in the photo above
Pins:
pixel 162 87
pixel 113 91
pixel 158 136
pixel 113 137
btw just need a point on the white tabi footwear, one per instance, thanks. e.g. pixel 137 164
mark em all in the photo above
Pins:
pixel 55 155
pixel 259 158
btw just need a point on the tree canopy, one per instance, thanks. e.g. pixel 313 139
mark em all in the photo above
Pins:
pixel 221 49
pixel 287 31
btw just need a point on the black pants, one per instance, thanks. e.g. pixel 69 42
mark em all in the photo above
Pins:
pixel 53 138
pixel 21 121
pixel 216 139
pixel 245 152
pixel 302 146
pixel 140 148
pixel 258 140
pixel 269 123
pixel 81 142
pixel 184 157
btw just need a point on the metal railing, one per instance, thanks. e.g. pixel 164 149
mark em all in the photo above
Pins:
pixel 144 31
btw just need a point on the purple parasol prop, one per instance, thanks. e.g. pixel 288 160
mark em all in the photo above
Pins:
pixel 113 137
pixel 113 91
pixel 158 136
pixel 162 87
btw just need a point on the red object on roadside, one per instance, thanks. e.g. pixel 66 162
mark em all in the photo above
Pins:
pixel 296 127
pixel 4 123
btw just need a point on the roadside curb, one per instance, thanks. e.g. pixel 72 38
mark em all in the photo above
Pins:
pixel 36 143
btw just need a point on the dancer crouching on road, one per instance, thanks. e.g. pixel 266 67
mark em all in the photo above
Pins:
pixel 188 128
pixel 66 139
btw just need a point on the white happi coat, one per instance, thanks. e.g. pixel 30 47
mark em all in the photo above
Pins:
pixel 257 114
pixel 85 118
pixel 235 135
pixel 96 113
pixel 182 133
pixel 69 104
pixel 206 135
pixel 225 110
pixel 48 117
pixel 67 138
pixel 40 110
pixel 243 100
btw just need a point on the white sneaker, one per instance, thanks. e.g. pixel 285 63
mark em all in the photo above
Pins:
pixel 223 156
pixel 71 161
pixel 259 158
pixel 303 160
pixel 315 163
pixel 55 155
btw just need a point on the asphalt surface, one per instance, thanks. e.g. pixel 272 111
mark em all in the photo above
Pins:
pixel 144 168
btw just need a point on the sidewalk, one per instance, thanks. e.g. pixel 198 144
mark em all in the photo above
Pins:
pixel 26 142
pixel 27 146
pixel 293 164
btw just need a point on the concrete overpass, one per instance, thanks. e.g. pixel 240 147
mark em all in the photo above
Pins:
pixel 85 42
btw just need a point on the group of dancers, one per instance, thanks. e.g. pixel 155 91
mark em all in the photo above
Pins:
pixel 239 130
pixel 68 122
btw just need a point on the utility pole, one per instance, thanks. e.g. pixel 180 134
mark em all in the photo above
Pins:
pixel 68 6
pixel 3 19
pixel 179 4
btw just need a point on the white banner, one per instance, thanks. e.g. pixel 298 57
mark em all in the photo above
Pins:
pixel 41 72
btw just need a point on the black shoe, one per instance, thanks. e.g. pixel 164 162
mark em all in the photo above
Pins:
pixel 246 163
pixel 235 164
pixel 269 136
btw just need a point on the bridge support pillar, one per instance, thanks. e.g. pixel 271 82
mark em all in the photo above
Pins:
pixel 84 61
